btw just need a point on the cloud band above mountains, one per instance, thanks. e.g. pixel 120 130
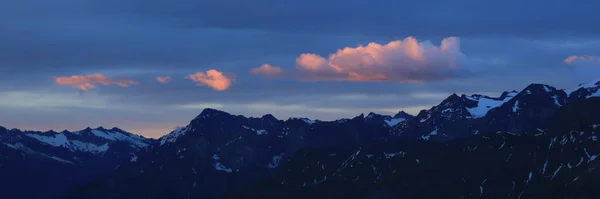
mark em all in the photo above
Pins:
pixel 398 61
pixel 86 82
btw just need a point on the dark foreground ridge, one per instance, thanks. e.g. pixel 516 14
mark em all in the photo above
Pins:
pixel 558 162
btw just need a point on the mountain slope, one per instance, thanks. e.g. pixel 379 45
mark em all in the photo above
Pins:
pixel 488 165
pixel 473 135
pixel 44 164
pixel 219 152
pixel 461 116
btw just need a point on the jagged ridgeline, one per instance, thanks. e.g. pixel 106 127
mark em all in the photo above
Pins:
pixel 555 162
pixel 539 142
pixel 46 164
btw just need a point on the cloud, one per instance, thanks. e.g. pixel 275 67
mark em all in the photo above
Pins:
pixel 398 61
pixel 212 78
pixel 584 68
pixel 267 70
pixel 45 100
pixel 86 82
pixel 163 80
pixel 573 58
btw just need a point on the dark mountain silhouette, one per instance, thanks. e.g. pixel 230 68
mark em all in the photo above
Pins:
pixel 520 144
pixel 46 164
pixel 558 162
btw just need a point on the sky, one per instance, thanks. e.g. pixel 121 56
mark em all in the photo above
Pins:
pixel 149 66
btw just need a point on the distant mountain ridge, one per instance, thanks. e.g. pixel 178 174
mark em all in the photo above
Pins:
pixel 55 162
pixel 219 152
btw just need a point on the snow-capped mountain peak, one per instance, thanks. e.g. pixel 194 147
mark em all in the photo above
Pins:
pixel 306 120
pixel 585 91
pixel 95 141
pixel 403 114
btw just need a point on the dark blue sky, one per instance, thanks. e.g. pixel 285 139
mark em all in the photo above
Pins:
pixel 423 51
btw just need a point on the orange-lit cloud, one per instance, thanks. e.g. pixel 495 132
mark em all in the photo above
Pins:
pixel 401 61
pixel 212 78
pixel 86 82
pixel 571 59
pixel 163 80
pixel 584 68
pixel 267 70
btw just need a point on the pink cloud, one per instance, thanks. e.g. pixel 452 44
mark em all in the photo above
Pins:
pixel 571 59
pixel 400 61
pixel 86 82
pixel 267 70
pixel 163 80
pixel 212 78
pixel 584 68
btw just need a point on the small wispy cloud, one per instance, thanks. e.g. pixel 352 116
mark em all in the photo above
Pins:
pixel 86 82
pixel 163 80
pixel 584 68
pixel 267 70
pixel 212 78
pixel 571 59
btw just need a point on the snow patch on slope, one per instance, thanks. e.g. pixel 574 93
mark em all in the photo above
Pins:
pixel 117 136
pixel 257 131
pixel 220 167
pixel 60 140
pixel 172 137
pixel 515 107
pixel 274 162
pixel 306 120
pixel 426 137
pixel 486 104
pixel 391 155
pixel 394 121
pixel 88 147
pixel 21 147
pixel 56 140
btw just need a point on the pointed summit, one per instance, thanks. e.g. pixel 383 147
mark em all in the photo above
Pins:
pixel 360 117
pixel 210 113
pixel 373 115
pixel 117 129
pixel 269 117
pixel 403 114
pixel 538 88
pixel 452 99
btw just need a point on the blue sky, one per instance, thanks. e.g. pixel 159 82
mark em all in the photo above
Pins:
pixel 462 46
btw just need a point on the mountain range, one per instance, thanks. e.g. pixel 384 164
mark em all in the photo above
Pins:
pixel 539 142
pixel 45 164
